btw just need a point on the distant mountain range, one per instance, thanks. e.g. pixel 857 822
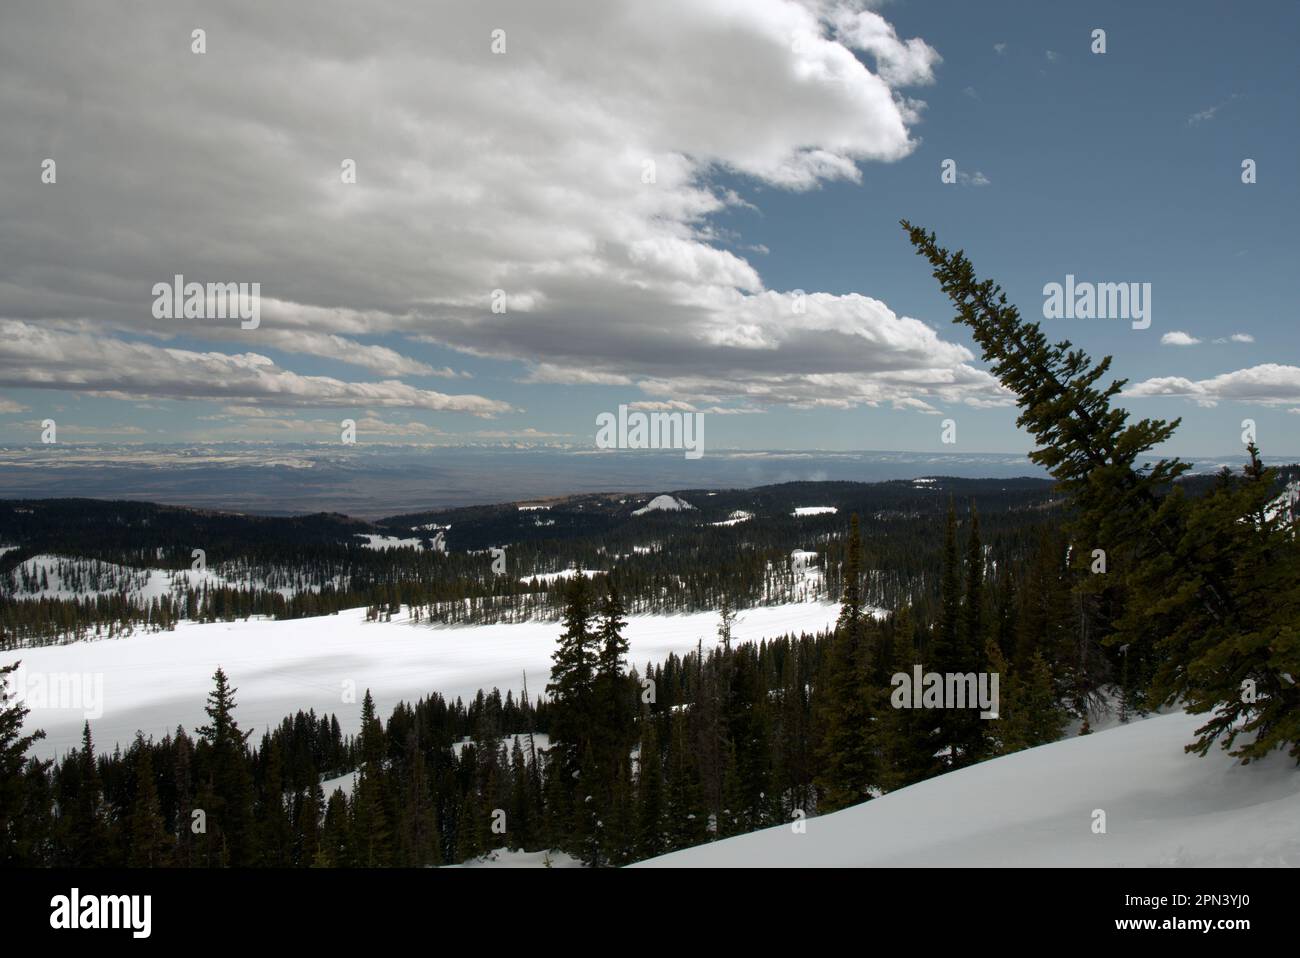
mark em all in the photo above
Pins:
pixel 372 480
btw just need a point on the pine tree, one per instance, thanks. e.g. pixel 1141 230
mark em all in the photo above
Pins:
pixel 685 814
pixel 910 736
pixel 370 825
pixel 16 831
pixel 846 701
pixel 1031 715
pixel 650 788
pixel 572 685
pixel 149 842
pixel 336 837
pixel 1177 561
pixel 228 788
pixel 614 701
pixel 272 815
pixel 88 824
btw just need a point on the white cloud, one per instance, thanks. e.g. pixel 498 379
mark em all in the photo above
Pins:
pixel 1204 116
pixel 33 356
pixel 522 172
pixel 1178 338
pixel 1268 384
pixel 1242 338
pixel 999 48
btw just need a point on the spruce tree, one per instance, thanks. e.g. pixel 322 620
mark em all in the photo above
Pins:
pixel 1225 647
pixel 88 821
pixel 650 789
pixel 229 788
pixel 149 845
pixel 846 701
pixel 16 834
pixel 573 673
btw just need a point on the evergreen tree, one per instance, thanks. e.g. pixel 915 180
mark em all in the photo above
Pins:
pixel 228 787
pixel 17 834
pixel 845 700
pixel 684 812
pixel 88 823
pixel 573 706
pixel 1178 561
pixel 614 698
pixel 149 842
pixel 1030 714
pixel 650 788
pixel 911 736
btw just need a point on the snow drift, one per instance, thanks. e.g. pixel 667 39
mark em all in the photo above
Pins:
pixel 1038 807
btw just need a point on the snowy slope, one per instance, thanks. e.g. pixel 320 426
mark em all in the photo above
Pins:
pixel 548 577
pixel 140 583
pixel 1163 807
pixel 155 682
pixel 663 504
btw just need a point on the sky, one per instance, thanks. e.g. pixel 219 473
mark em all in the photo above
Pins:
pixel 559 208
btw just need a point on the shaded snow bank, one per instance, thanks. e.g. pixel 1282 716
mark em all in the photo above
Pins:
pixel 1037 808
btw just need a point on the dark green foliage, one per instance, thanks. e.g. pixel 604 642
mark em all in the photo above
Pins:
pixel 1206 587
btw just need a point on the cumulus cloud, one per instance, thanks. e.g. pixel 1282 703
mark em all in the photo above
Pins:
pixel 571 174
pixel 1268 384
pixel 34 356
pixel 1178 338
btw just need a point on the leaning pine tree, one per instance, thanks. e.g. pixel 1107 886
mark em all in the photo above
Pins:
pixel 1210 585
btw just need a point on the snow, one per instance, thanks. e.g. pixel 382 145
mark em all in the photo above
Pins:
pixel 663 504
pixel 549 577
pixel 344 783
pixel 740 515
pixel 814 510
pixel 154 682
pixel 1036 808
pixel 1287 505
pixel 146 584
pixel 389 542
pixel 541 741
pixel 505 858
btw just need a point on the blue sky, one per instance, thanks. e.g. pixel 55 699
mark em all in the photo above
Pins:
pixel 1115 167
